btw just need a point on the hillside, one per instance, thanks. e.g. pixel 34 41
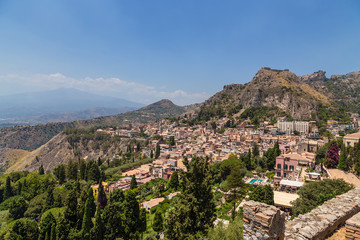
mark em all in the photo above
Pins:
pixel 60 149
pixel 343 89
pixel 268 88
pixel 32 137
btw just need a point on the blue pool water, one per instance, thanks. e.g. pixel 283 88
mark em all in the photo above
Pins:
pixel 254 180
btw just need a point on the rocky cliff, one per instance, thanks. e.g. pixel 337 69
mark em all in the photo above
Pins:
pixel 269 87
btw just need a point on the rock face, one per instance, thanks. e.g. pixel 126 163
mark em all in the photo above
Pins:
pixel 262 221
pixel 280 88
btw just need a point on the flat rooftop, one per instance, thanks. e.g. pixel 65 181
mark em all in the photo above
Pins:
pixel 283 199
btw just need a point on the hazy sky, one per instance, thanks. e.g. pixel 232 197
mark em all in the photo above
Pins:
pixel 182 50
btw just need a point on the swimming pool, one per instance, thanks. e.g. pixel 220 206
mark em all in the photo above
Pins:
pixel 255 180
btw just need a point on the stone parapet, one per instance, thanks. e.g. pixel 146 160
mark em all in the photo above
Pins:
pixel 325 219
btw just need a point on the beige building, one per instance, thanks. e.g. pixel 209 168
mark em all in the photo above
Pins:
pixel 351 139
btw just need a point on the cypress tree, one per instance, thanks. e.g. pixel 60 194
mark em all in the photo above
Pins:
pixel 98 231
pixel 342 159
pixel 87 223
pixel 157 151
pixel 142 220
pixel 53 232
pixel 101 198
pixel 133 183
pixel 195 208
pixel 7 189
pixel 158 222
pixel 49 203
pixel 41 169
pixel 63 228
pixel 247 160
pixel 132 214
pixel 82 168
pixel 174 181
pixel 71 208
pixel 255 150
pixel 45 226
pixel 58 201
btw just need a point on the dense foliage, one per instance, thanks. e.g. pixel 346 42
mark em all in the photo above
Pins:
pixel 314 194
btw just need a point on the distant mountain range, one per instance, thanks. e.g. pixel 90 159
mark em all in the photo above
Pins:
pixel 60 105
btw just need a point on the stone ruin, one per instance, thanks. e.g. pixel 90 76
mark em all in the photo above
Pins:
pixel 262 221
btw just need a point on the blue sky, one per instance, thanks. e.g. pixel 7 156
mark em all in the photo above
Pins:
pixel 182 50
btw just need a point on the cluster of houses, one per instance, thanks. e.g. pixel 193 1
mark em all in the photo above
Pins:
pixel 298 141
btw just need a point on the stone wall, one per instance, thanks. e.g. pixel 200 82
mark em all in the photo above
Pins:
pixel 262 221
pixel 325 219
pixel 352 228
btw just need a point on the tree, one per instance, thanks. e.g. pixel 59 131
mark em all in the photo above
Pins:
pixel 41 170
pixel 158 222
pixel 132 215
pixel 82 168
pixel 194 210
pixel 17 208
pixel 72 170
pixel 93 171
pixel 49 203
pixel 59 172
pixel 234 183
pixel 133 183
pixel 98 231
pixel 117 196
pixel 247 160
pixel 71 203
pixel 174 181
pixel 142 220
pixel 343 159
pixel 88 214
pixel 53 232
pixel 234 230
pixel 138 147
pixel 157 151
pixel 332 155
pixel 314 194
pixel 24 229
pixel 63 228
pixel 151 154
pixel 255 150
pixel 101 198
pixel 47 222
pixel 58 201
pixel 172 140
pixel 264 194
pixel 7 189
pixel 113 218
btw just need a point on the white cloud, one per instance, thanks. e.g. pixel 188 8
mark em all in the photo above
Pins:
pixel 106 86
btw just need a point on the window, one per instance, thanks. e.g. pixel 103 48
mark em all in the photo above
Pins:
pixel 284 175
pixel 278 174
pixel 279 166
pixel 285 167
pixel 291 167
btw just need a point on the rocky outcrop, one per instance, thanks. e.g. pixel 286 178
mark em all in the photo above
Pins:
pixel 280 88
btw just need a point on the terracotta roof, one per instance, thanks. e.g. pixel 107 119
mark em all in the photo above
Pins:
pixel 353 135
